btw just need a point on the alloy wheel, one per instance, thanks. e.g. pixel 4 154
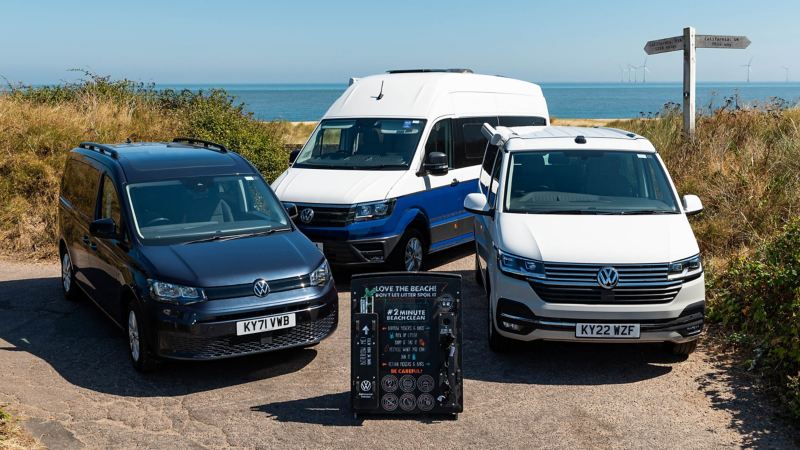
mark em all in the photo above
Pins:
pixel 66 272
pixel 413 255
pixel 133 335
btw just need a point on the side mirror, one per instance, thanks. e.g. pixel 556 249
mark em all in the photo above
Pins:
pixel 435 163
pixel 293 155
pixel 692 204
pixel 291 209
pixel 476 204
pixel 104 228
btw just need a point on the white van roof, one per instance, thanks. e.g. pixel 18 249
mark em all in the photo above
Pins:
pixel 432 94
pixel 561 137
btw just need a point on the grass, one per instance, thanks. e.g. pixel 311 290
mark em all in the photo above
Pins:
pixel 12 436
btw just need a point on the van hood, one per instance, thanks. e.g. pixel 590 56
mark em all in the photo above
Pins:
pixel 594 239
pixel 336 187
pixel 237 261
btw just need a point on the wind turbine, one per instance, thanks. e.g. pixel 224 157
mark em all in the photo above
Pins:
pixel 621 74
pixel 644 70
pixel 786 69
pixel 749 66
pixel 634 69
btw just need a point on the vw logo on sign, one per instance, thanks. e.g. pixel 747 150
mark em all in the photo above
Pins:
pixel 607 277
pixel 307 215
pixel 366 386
pixel 261 287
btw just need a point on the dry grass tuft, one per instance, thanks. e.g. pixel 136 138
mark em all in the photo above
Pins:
pixel 13 437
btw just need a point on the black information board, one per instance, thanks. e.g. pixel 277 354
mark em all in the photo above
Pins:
pixel 406 343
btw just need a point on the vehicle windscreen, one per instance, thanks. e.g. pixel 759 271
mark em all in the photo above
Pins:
pixel 362 144
pixel 588 182
pixel 193 208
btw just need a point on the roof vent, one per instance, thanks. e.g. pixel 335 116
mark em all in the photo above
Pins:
pixel 580 139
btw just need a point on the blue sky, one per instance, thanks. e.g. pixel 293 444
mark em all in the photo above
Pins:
pixel 326 41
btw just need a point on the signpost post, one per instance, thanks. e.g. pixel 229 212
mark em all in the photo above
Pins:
pixel 689 42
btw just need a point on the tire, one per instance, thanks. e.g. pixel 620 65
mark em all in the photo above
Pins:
pixel 68 287
pixel 478 273
pixel 410 253
pixel 684 348
pixel 142 357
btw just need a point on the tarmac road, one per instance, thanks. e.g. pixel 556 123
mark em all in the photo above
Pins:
pixel 64 368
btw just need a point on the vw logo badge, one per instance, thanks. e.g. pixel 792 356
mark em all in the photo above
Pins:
pixel 306 215
pixel 261 287
pixel 607 277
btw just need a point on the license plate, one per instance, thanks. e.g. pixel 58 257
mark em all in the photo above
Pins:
pixel 319 245
pixel 262 324
pixel 607 330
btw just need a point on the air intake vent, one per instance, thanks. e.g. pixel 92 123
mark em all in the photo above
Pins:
pixel 430 71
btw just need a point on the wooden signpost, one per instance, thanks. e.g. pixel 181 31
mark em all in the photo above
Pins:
pixel 689 42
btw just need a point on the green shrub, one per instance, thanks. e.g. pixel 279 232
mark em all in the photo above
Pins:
pixel 759 296
pixel 39 125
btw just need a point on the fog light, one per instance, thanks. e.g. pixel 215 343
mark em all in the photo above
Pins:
pixel 511 326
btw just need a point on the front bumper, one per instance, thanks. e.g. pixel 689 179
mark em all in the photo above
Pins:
pixel 519 313
pixel 211 334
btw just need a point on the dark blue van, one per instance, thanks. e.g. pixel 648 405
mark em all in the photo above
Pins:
pixel 186 247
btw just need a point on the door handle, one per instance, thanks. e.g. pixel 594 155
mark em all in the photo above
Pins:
pixel 454 182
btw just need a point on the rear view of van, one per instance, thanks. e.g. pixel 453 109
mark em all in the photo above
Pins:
pixel 383 177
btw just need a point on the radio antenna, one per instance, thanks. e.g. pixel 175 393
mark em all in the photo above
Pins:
pixel 380 94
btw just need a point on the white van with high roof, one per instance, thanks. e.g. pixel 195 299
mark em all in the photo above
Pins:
pixel 581 236
pixel 383 177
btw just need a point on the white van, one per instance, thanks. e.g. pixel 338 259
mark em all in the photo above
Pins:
pixel 580 236
pixel 383 177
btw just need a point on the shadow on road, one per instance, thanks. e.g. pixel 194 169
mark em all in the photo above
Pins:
pixel 89 351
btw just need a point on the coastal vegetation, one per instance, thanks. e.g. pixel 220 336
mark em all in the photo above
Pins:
pixel 743 162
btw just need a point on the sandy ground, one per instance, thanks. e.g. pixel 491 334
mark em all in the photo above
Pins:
pixel 64 369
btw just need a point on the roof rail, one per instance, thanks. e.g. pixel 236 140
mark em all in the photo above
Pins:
pixel 201 143
pixel 617 130
pixel 99 148
pixel 429 71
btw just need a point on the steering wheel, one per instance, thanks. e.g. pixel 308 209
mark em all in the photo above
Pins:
pixel 158 221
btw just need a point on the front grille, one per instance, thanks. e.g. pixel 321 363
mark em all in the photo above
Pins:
pixel 181 345
pixel 246 289
pixel 328 216
pixel 577 283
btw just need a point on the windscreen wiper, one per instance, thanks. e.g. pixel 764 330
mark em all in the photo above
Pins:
pixel 237 236
pixel 641 212
pixel 572 212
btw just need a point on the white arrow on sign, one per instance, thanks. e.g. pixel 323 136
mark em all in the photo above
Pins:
pixel 366 330
pixel 701 41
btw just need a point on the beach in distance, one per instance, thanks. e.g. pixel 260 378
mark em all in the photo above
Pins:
pixel 308 102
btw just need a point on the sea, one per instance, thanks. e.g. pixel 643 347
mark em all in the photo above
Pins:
pixel 308 102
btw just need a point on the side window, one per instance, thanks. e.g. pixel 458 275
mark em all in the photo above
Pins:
pixel 521 121
pixel 81 182
pixel 440 140
pixel 109 202
pixel 330 141
pixel 494 182
pixel 470 145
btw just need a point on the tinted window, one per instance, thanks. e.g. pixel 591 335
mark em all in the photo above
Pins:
pixel 470 144
pixel 109 202
pixel 521 121
pixel 80 186
pixel 440 140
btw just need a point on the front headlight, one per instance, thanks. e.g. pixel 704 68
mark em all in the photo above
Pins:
pixel 373 210
pixel 520 267
pixel 175 293
pixel 320 275
pixel 685 268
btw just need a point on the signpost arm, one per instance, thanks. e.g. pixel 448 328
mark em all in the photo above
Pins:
pixel 689 78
